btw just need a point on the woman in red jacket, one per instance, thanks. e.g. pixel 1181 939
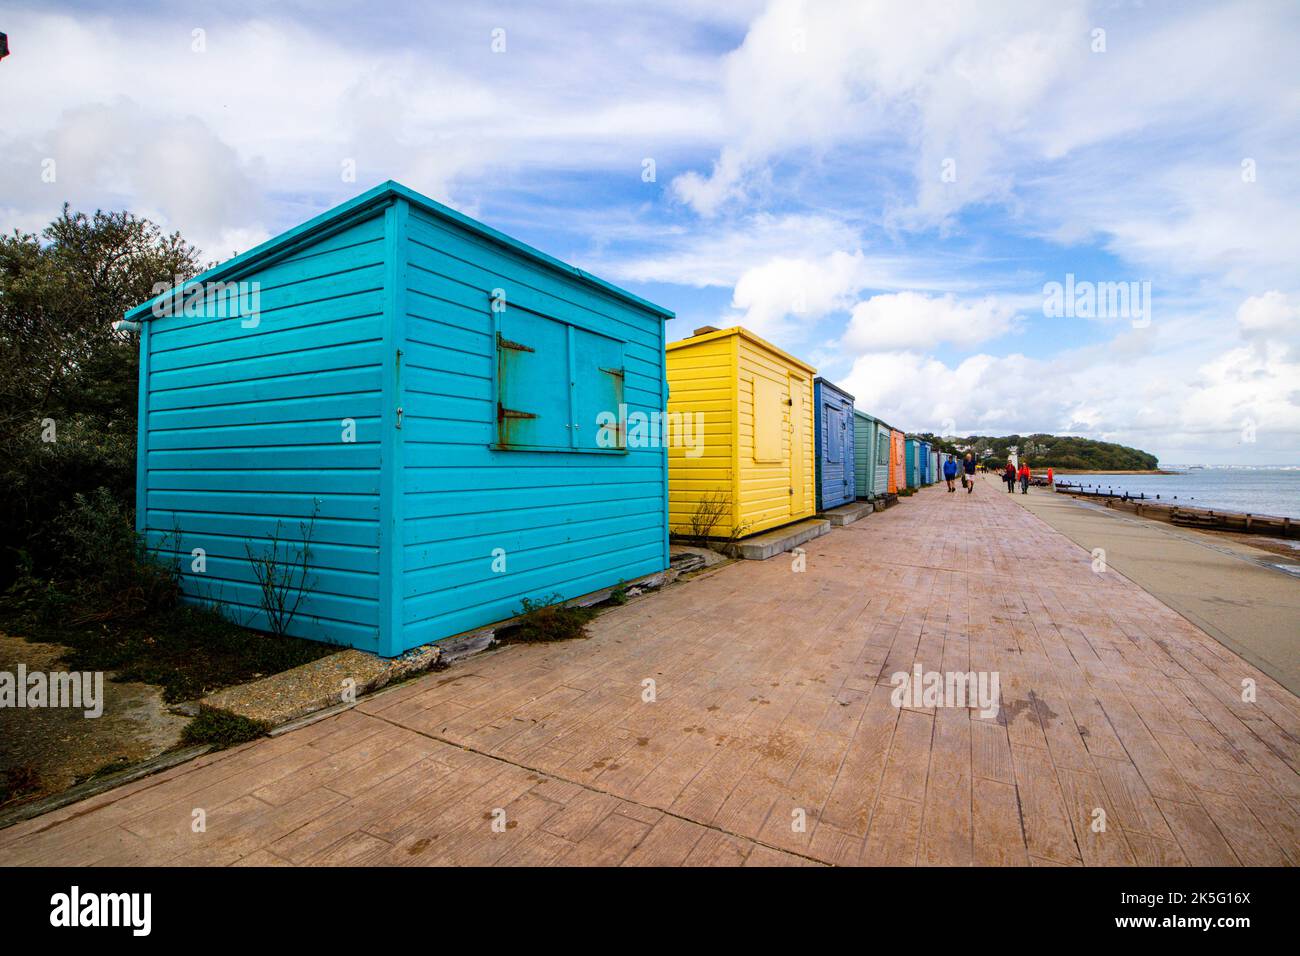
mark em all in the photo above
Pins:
pixel 1023 475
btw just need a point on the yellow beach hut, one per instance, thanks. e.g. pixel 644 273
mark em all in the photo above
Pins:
pixel 743 409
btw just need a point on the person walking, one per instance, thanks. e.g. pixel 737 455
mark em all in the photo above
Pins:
pixel 950 472
pixel 1009 476
pixel 1050 481
pixel 968 471
pixel 1024 474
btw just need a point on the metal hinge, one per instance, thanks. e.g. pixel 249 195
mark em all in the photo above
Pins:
pixel 399 417
pixel 505 343
pixel 504 413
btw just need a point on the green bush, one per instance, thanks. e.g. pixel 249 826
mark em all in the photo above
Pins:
pixel 97 569
pixel 222 728
pixel 42 479
pixel 116 607
pixel 66 374
pixel 547 620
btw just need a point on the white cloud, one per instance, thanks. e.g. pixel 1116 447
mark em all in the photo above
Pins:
pixel 707 194
pixel 174 170
pixel 1271 317
pixel 787 290
pixel 274 107
pixel 1141 145
pixel 800 174
pixel 786 273
pixel 906 320
pixel 953 80
pixel 719 255
pixel 1186 403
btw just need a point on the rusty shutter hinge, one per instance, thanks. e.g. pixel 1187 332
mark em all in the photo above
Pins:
pixel 503 413
pixel 505 343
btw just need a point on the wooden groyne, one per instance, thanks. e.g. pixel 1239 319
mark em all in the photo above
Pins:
pixel 1209 519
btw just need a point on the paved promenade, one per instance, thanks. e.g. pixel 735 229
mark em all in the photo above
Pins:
pixel 1236 593
pixel 1122 736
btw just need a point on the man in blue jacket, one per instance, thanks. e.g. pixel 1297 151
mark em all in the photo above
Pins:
pixel 950 472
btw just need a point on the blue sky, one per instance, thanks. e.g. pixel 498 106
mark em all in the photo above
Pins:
pixel 881 188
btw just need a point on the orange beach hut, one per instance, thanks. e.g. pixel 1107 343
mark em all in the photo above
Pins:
pixel 897 461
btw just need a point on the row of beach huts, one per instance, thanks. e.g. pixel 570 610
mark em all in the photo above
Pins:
pixel 438 421
pixel 784 444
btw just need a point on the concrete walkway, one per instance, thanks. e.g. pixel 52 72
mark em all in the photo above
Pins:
pixel 771 737
pixel 1235 593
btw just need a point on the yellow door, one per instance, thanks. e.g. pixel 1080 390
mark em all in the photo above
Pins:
pixel 798 489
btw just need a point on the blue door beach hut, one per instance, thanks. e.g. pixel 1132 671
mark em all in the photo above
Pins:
pixel 442 419
pixel 912 467
pixel 835 445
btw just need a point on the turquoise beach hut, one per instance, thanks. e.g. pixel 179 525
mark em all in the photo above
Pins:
pixel 437 420
pixel 912 468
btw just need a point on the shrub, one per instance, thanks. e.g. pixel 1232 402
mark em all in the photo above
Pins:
pixel 100 572
pixel 547 620
pixel 282 579
pixel 222 729
pixel 105 566
pixel 116 607
pixel 710 509
pixel 42 479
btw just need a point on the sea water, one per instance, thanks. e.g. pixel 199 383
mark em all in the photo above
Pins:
pixel 1261 491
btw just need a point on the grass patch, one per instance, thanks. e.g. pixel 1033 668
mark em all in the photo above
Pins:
pixel 18 782
pixel 116 765
pixel 189 652
pixel 222 729
pixel 116 606
pixel 547 620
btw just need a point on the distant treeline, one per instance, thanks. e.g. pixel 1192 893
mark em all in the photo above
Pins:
pixel 1063 452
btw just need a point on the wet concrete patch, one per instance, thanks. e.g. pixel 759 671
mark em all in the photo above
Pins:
pixel 55 747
